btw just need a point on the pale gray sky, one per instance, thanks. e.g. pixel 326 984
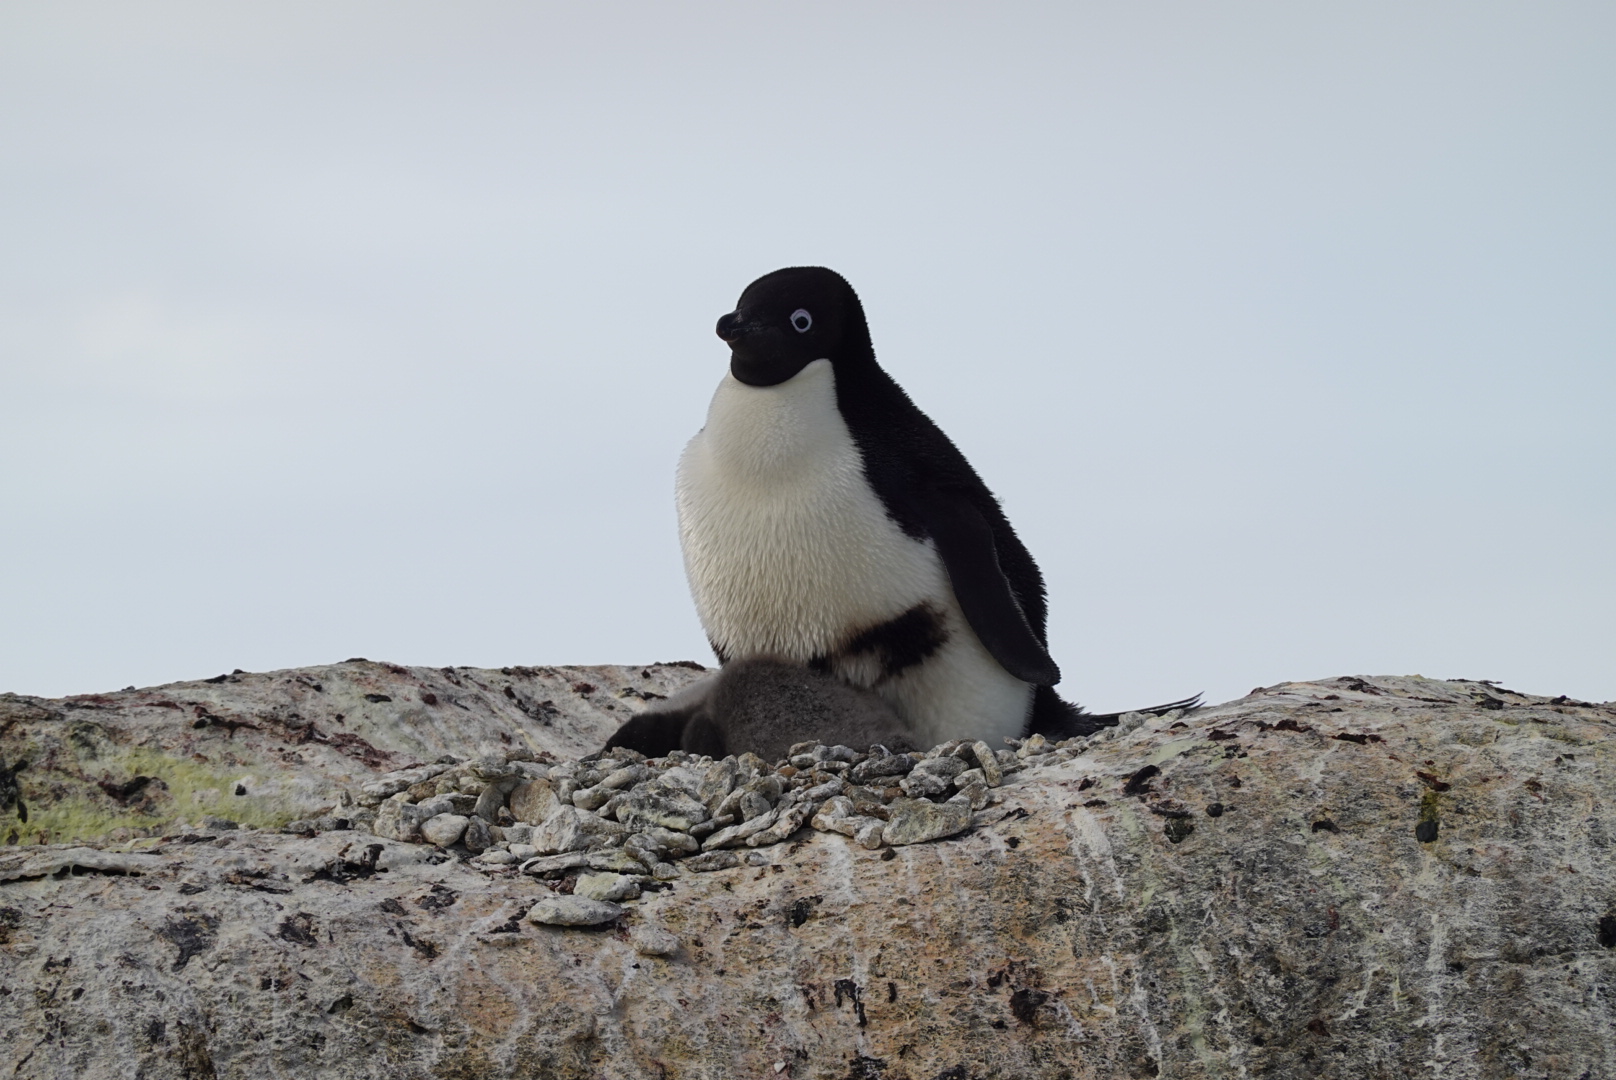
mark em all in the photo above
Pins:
pixel 1286 333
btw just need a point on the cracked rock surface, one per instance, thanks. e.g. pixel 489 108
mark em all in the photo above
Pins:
pixel 1358 877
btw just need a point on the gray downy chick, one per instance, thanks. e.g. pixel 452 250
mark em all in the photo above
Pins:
pixel 764 705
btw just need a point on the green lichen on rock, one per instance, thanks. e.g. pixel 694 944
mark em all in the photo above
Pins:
pixel 139 791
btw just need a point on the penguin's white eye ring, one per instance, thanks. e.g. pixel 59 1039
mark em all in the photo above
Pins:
pixel 801 321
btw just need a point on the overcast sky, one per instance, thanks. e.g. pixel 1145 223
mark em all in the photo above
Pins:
pixel 1286 333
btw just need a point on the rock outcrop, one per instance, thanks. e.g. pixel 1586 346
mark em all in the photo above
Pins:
pixel 1358 877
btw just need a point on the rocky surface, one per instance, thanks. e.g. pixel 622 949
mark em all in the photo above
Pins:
pixel 267 748
pixel 1353 878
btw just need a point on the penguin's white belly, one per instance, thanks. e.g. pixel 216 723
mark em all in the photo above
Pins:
pixel 789 553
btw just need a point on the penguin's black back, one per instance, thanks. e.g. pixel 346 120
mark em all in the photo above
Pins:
pixel 907 455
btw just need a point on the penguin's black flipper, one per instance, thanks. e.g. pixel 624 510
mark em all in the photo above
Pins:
pixel 651 733
pixel 659 729
pixel 1056 719
pixel 964 540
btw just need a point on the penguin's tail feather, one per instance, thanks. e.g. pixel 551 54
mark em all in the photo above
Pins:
pixel 1191 702
pixel 1056 719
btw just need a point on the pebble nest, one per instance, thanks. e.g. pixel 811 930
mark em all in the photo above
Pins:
pixel 604 829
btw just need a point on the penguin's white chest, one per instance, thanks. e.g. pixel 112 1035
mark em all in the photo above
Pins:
pixel 788 550
pixel 791 554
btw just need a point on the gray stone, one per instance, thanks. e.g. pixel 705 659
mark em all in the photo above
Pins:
pixel 683 779
pixel 738 834
pixel 444 829
pixel 787 821
pixel 478 835
pixel 717 782
pixel 544 865
pixel 976 795
pixel 988 763
pixel 948 766
pixel 399 819
pixel 533 801
pixel 826 790
pixel 932 776
pixel 617 861
pixel 384 787
pixel 915 821
pixel 494 795
pixel 488 768
pixel 753 798
pixel 571 829
pixel 880 765
pixel 461 802
pixel 1033 746
pixel 752 805
pixel 969 777
pixel 592 798
pixel 870 833
pixel 644 848
pixel 833 809
pixel 837 817
pixel 437 804
pixel 677 843
pixel 573 911
pixel 605 885
pixel 668 809
pixel 711 860
pixel 653 941
pixel 712 825
pixel 662 844
pixel 627 776
pixel 664 871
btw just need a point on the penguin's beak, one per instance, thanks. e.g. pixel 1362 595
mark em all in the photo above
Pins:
pixel 732 327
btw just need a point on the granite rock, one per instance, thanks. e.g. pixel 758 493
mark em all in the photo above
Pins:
pixel 571 829
pixel 573 911
pixel 444 829
pixel 1375 877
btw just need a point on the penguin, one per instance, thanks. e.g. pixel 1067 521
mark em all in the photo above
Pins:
pixel 763 704
pixel 827 521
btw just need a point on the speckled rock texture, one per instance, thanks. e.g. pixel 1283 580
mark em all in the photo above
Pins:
pixel 267 748
pixel 1360 877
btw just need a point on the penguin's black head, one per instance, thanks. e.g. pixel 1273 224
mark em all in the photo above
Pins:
pixel 786 320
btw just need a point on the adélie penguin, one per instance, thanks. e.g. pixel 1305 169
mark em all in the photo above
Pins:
pixel 827 521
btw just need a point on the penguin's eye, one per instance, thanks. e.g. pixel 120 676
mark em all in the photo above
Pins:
pixel 801 320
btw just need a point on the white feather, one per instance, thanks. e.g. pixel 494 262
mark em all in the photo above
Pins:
pixel 789 553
